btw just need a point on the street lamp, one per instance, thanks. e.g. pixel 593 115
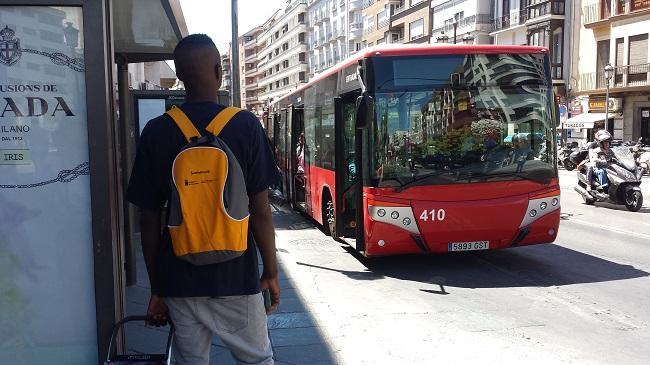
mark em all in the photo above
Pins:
pixel 443 38
pixel 455 28
pixel 468 39
pixel 609 73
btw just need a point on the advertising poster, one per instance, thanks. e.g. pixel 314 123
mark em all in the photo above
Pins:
pixel 47 297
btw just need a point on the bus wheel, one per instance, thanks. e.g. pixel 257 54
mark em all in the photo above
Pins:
pixel 329 217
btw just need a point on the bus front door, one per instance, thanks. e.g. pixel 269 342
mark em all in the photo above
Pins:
pixel 347 167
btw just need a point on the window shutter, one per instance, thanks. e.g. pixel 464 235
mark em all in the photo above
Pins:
pixel 619 52
pixel 639 49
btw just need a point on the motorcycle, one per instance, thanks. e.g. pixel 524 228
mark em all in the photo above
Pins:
pixel 641 155
pixel 624 182
pixel 563 157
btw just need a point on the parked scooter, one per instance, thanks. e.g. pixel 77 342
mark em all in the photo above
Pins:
pixel 641 155
pixel 563 155
pixel 624 182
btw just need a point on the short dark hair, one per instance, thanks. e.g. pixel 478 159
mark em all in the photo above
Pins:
pixel 183 57
pixel 193 40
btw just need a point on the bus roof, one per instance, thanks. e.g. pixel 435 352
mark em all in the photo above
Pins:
pixel 388 50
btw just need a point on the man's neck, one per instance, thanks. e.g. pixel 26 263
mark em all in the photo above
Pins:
pixel 201 96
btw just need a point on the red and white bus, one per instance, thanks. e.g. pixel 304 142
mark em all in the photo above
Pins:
pixel 425 149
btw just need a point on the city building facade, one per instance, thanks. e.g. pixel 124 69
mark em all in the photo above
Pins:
pixel 375 21
pixel 461 21
pixel 226 69
pixel 614 32
pixel 335 31
pixel 410 21
pixel 249 86
pixel 282 54
pixel 536 23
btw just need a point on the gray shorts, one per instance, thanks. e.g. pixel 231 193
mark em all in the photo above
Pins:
pixel 240 322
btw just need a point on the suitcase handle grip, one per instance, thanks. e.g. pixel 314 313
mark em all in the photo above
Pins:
pixel 128 319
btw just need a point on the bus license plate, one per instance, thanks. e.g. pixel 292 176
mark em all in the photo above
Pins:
pixel 469 246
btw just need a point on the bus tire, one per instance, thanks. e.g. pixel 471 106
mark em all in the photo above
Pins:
pixel 328 215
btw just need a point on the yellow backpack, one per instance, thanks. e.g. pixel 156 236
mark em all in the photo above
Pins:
pixel 208 216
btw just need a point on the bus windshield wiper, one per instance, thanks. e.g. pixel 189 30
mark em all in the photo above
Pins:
pixel 418 179
pixel 521 175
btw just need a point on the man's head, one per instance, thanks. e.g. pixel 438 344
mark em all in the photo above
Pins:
pixel 198 63
pixel 604 138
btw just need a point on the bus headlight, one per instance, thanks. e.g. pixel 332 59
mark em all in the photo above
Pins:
pixel 394 215
pixel 533 213
pixel 381 212
pixel 543 206
pixel 406 221
pixel 555 201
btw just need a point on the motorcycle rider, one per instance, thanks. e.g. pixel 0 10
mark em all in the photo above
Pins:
pixel 599 159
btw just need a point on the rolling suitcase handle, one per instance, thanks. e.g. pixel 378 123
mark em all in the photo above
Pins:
pixel 140 358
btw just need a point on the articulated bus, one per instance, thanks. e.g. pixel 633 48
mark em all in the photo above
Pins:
pixel 424 149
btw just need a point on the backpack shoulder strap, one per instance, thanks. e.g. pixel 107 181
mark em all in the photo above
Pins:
pixel 219 122
pixel 183 123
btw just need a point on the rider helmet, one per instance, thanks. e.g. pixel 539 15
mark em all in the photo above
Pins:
pixel 602 136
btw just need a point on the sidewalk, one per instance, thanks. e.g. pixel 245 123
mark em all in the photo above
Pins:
pixel 295 336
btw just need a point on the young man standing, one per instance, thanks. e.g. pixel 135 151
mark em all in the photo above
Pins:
pixel 222 299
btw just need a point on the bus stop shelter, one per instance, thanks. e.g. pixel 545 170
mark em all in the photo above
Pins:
pixel 64 157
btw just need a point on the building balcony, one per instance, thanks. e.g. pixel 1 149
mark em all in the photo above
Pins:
pixel 399 9
pixel 250 43
pixel 251 57
pixel 355 5
pixel 364 4
pixel 624 77
pixel 475 22
pixel 250 71
pixel 369 29
pixel 251 98
pixel 536 11
pixel 339 33
pixel 598 13
pixel 508 21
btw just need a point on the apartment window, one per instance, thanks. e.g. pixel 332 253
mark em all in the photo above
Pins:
pixel 558 37
pixel 285 46
pixel 301 18
pixel 285 28
pixel 277 34
pixel 302 57
pixel 416 29
pixel 301 37
pixel 638 49
pixel 285 63
pixel 602 59
pixel 302 77
pixel 285 81
pixel 277 68
pixel 620 48
pixel 277 84
pixel 639 4
pixel 271 86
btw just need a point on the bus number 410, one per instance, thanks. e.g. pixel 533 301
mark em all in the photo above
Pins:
pixel 439 215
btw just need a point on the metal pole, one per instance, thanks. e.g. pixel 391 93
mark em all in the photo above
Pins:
pixel 126 157
pixel 607 104
pixel 234 57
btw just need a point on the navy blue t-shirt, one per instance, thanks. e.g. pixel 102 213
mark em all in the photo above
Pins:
pixel 150 188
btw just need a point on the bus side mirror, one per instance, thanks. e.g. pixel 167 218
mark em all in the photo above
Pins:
pixel 365 111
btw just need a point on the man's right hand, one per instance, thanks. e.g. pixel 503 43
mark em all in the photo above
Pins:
pixel 157 312
pixel 273 285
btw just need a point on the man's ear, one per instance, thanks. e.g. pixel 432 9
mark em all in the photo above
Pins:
pixel 218 74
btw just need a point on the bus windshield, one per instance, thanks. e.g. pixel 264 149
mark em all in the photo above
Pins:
pixel 462 119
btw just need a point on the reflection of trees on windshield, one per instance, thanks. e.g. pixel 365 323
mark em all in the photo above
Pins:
pixel 459 131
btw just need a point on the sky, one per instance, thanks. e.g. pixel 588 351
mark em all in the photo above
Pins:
pixel 212 17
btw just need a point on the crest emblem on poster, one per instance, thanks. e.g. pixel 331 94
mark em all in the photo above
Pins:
pixel 9 47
